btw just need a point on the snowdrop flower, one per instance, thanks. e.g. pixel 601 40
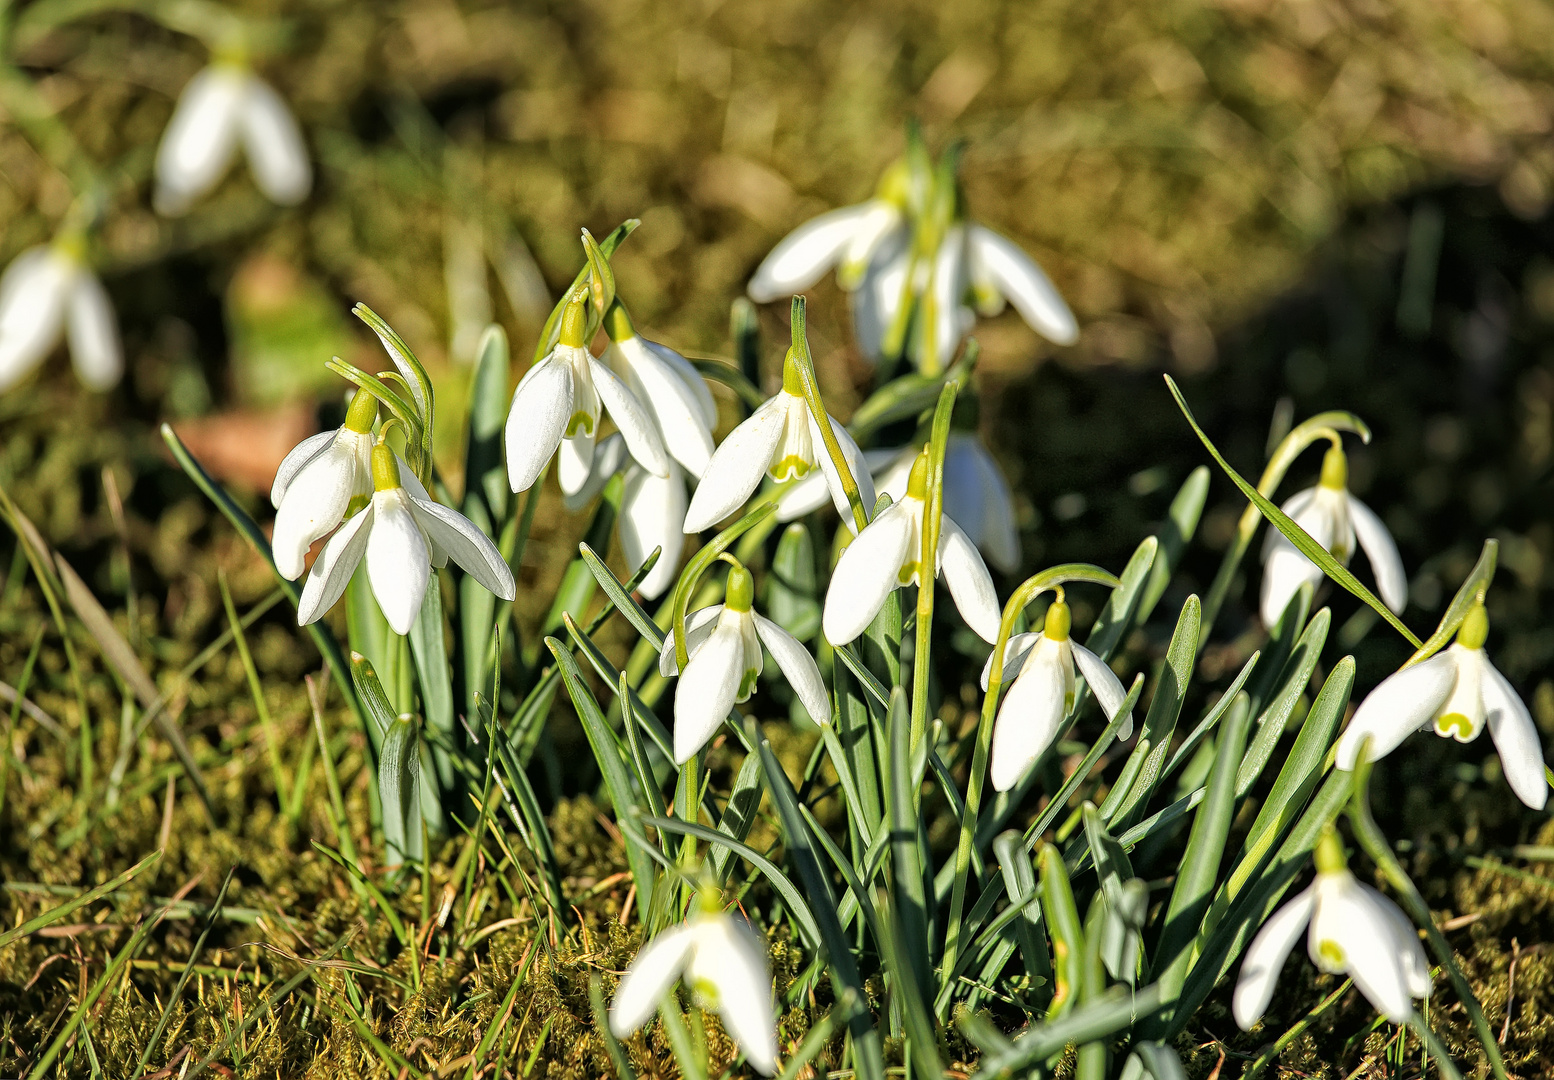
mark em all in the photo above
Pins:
pixel 651 510
pixel 557 404
pixel 1459 693
pixel 846 239
pixel 780 439
pixel 723 961
pixel 49 290
pixel 1353 930
pixel 223 105
pixel 317 481
pixel 669 388
pixel 1042 669
pixel 999 270
pixel 724 647
pixel 976 495
pixel 885 556
pixel 402 534
pixel 1335 519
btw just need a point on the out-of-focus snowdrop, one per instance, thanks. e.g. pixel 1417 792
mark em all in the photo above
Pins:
pixel 1458 693
pixel 48 291
pixel 1042 693
pixel 556 409
pixel 723 643
pixel 919 272
pixel 668 386
pixel 886 555
pixel 225 105
pixel 1351 929
pixel 652 509
pixel 402 534
pixel 723 961
pixel 976 495
pixel 779 439
pixel 1335 519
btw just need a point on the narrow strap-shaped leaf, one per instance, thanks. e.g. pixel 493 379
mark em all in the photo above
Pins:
pixel 616 591
pixel 429 650
pixel 1020 883
pixel 1180 524
pixel 1470 592
pixel 1214 716
pixel 1113 1011
pixel 1165 708
pixel 532 818
pixel 1270 725
pixel 921 1032
pixel 906 860
pixel 1068 937
pixel 739 812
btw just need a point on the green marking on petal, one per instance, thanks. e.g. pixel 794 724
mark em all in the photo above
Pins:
pixel 1332 954
pixel 789 467
pixel 1449 724
pixel 706 992
pixel 908 571
pixel 581 423
pixel 747 684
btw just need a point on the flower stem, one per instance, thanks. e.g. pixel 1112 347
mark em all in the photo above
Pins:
pixel 928 559
pixel 817 408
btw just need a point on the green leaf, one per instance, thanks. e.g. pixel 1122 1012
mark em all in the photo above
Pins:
pixel 1206 725
pixel 1180 524
pixel 1164 709
pixel 719 371
pixel 1114 1011
pixel 551 333
pixel 400 791
pixel 486 500
pixel 911 911
pixel 1292 531
pixel 1068 937
pixel 1020 883
pixel 1270 725
pixel 792 591
pixel 428 648
pixel 1471 592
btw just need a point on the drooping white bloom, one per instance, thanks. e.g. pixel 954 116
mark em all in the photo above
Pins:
pixel 1458 693
pixel 846 239
pixel 1335 519
pixel 886 556
pixel 1042 693
pixel 976 495
pixel 402 534
pixel 723 644
pixel 1000 270
pixel 1351 929
pixel 651 511
pixel 49 290
pixel 780 439
pixel 724 963
pixel 668 386
pixel 557 406
pixel 317 481
pixel 222 106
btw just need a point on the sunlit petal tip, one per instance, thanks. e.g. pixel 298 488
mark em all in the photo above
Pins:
pixel 1025 284
pixel 34 293
pixel 1105 685
pixel 732 957
pixel 655 969
pixel 1399 706
pixel 296 460
pixel 707 691
pixel 736 467
pixel 93 332
pixel 197 146
pixel 334 566
pixel 399 563
pixel 1028 719
pixel 652 512
pixel 803 256
pixel 1516 739
pixel 462 540
pixel 1284 572
pixel 1265 958
pixel 277 154
pixel 799 667
pixel 1382 552
pixel 1357 921
pixel 316 501
pixel 866 573
pixel 536 421
pixel 856 464
pixel 636 426
pixel 971 586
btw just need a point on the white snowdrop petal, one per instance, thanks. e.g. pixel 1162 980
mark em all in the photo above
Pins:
pixel 1028 717
pixel 33 296
pixel 855 465
pixel 1516 739
pixel 803 256
pixel 698 624
pixel 315 503
pixel 866 573
pixel 654 970
pixel 1105 685
pixel 651 516
pixel 707 690
pixel 574 463
pixel 999 535
pixel 334 566
pixel 1398 707
pixel 636 427
pixel 609 458
pixel 971 586
pixel 798 666
pixel 1360 926
pixel 673 404
pixel 1265 958
pixel 804 496
pixel 1411 954
pixel 692 379
pixel 737 466
pixel 277 155
pixel 93 331
pixel 399 564
pixel 732 958
pixel 879 296
pixel 1297 506
pixel 949 285
pixel 541 408
pixel 1018 277
pixel 1284 572
pixel 293 463
pixel 1382 551
pixel 1016 650
pixel 199 141
pixel 461 540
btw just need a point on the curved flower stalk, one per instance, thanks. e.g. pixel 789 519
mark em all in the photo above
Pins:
pixel 557 407
pixel 1458 693
pixel 885 556
pixel 976 495
pixel 47 291
pixel 224 105
pixel 1335 519
pixel 669 388
pixel 651 511
pixel 1350 929
pixel 402 534
pixel 782 440
pixel 723 961
pixel 1040 670
pixel 724 643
